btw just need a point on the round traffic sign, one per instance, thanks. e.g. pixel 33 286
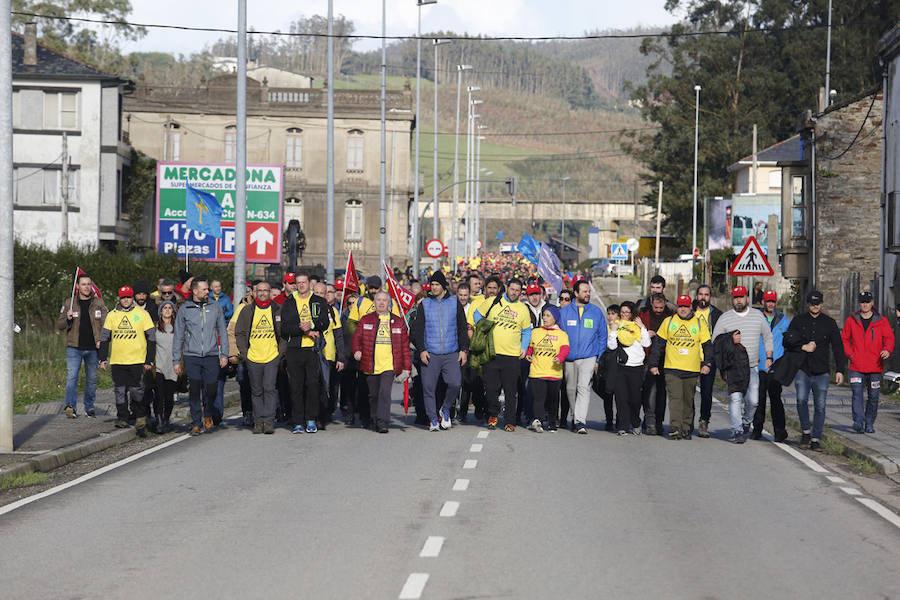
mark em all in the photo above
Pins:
pixel 434 248
pixel 696 252
pixel 478 245
pixel 632 244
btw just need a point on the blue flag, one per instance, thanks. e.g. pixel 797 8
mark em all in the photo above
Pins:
pixel 203 212
pixel 549 268
pixel 529 248
pixel 500 235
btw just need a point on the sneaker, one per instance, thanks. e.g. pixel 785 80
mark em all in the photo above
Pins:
pixel 580 428
pixel 70 412
pixel 492 423
pixel 381 426
pixel 140 426
pixel 311 426
pixel 195 431
pixel 268 428
pixel 434 425
pixel 814 445
pixel 509 427
pixel 805 439
pixel 552 427
pixel 445 419
pixel 622 432
pixel 121 424
pixel 858 427
pixel 746 428
pixel 258 427
pixel 686 435
pixel 91 413
pixel 703 429
pixel 674 434
pixel 208 423
pixel 756 434
pixel 737 437
pixel 538 426
pixel 534 425
pixel 870 429
pixel 651 429
pixel 298 429
pixel 635 431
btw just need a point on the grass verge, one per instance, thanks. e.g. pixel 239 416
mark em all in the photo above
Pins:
pixel 861 464
pixel 25 480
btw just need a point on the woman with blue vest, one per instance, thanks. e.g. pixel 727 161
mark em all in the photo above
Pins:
pixel 441 338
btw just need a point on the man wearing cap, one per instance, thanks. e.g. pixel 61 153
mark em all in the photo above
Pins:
pixel 682 347
pixel 441 338
pixel 768 384
pixel 709 313
pixel 201 337
pixel 868 341
pixel 290 285
pixel 142 299
pixel 813 332
pixel 585 326
pixel 752 324
pixel 653 390
pixel 128 343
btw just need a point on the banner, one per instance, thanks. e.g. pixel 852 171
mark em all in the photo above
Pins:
pixel 351 279
pixel 399 294
pixel 94 288
pixel 549 268
pixel 529 248
pixel 202 211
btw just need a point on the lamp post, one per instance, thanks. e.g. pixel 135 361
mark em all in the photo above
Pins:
pixel 477 218
pixel 562 223
pixel 455 209
pixel 382 212
pixel 435 209
pixel 484 221
pixel 696 146
pixel 470 163
pixel 416 249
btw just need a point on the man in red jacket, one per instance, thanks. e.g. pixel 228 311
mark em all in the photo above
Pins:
pixel 868 340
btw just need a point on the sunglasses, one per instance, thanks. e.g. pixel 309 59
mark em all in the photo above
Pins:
pixel 166 293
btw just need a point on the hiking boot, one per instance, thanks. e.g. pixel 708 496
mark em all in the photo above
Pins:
pixel 703 429
pixel 195 431
pixel 208 423
pixel 122 424
pixel 492 423
pixel 70 412
pixel 814 445
pixel 140 426
pixel 805 439
pixel 446 423
pixel 268 428
pixel 257 427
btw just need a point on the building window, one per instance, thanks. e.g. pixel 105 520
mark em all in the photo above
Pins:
pixel 60 110
pixel 17 120
pixel 353 220
pixel 355 151
pixel 230 133
pixel 293 209
pixel 775 179
pixel 53 186
pixel 172 151
pixel 293 153
pixel 798 207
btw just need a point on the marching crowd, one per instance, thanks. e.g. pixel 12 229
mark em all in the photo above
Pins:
pixel 495 345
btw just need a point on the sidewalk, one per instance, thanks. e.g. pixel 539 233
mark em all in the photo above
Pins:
pixel 881 448
pixel 44 438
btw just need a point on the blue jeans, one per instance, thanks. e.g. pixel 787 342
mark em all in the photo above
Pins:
pixel 864 413
pixel 203 374
pixel 748 401
pixel 74 358
pixel 819 385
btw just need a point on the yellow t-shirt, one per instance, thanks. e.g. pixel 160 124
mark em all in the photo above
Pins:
pixel 305 317
pixel 628 333
pixel 476 302
pixel 330 350
pixel 384 358
pixel 545 345
pixel 510 318
pixel 364 305
pixel 683 343
pixel 263 345
pixel 703 315
pixel 128 343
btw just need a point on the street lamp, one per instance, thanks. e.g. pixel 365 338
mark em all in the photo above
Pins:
pixel 475 222
pixel 696 146
pixel 484 221
pixel 470 160
pixel 435 212
pixel 453 216
pixel 415 231
pixel 562 223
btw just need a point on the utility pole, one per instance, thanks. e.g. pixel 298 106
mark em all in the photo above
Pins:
pixel 454 226
pixel 435 205
pixel 828 61
pixel 382 231
pixel 562 223
pixel 696 148
pixel 329 151
pixel 635 236
pixel 64 191
pixel 240 183
pixel 6 232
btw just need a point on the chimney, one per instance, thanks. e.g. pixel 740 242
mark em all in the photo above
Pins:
pixel 30 44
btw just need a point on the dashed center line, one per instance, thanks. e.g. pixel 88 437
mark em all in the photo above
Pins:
pixel 432 547
pixel 476 447
pixel 449 508
pixel 802 458
pixel 834 479
pixel 483 435
pixel 851 491
pixel 414 586
pixel 460 485
pixel 470 463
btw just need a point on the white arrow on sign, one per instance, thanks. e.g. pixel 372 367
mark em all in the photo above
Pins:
pixel 262 237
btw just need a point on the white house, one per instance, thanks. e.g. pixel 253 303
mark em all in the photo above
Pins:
pixel 57 99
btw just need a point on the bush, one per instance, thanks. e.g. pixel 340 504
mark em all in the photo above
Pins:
pixel 44 277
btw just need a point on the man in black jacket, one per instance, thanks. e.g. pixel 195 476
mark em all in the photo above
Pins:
pixel 813 332
pixel 709 314
pixel 304 320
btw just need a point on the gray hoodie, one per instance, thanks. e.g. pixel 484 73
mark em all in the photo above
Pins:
pixel 200 328
pixel 752 325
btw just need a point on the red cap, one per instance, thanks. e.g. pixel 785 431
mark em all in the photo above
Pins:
pixel 683 301
pixel 426 286
pixel 533 288
pixel 338 284
pixel 126 292
pixel 289 278
pixel 738 291
pixel 770 295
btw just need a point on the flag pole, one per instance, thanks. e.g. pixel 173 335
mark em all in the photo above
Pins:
pixel 187 249
pixel 346 272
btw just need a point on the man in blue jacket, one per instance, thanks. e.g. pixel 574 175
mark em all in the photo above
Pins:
pixel 585 324
pixel 768 385
pixel 441 337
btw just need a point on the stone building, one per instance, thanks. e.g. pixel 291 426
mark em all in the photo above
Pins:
pixel 890 210
pixel 288 126
pixel 831 203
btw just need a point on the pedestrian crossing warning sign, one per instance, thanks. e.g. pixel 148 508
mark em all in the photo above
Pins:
pixel 751 261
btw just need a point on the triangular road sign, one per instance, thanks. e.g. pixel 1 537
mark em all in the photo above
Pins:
pixel 619 252
pixel 751 261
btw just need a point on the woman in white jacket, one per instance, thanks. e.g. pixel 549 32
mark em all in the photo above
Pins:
pixel 628 342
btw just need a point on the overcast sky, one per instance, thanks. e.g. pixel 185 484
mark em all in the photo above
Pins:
pixel 488 17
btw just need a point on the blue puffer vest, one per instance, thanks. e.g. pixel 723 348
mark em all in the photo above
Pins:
pixel 440 325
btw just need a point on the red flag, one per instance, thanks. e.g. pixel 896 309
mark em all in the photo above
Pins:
pixel 94 288
pixel 406 397
pixel 399 294
pixel 351 279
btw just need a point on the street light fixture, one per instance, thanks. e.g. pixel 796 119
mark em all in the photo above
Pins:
pixel 453 217
pixel 415 232
pixel 435 207
pixel 696 146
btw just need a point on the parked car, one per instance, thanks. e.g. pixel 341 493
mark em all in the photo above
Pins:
pixel 603 268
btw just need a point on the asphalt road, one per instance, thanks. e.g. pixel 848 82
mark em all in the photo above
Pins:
pixel 345 513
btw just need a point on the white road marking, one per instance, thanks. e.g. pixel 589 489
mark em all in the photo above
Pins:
pixel 449 508
pixel 88 476
pixel 460 485
pixel 476 447
pixel 482 435
pixel 432 547
pixel 851 491
pixel 470 463
pixel 881 510
pixel 834 479
pixel 414 586
pixel 802 458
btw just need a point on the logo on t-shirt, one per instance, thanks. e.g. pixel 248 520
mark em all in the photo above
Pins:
pixel 681 336
pixel 263 329
pixel 507 318
pixel 124 330
pixel 545 346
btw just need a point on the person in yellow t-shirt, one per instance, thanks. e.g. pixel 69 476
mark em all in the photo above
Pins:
pixel 365 304
pixel 128 344
pixel 681 346
pixel 257 333
pixel 547 352
pixel 332 357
